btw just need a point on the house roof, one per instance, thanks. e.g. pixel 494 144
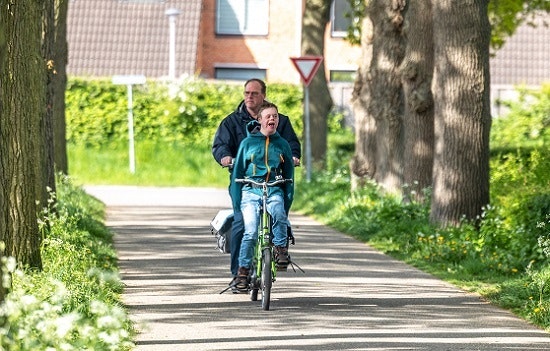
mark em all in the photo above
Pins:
pixel 525 57
pixel 130 37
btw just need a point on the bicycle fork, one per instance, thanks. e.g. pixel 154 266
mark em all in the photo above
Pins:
pixel 264 242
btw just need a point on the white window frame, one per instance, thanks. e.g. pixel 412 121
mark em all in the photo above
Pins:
pixel 337 15
pixel 239 72
pixel 242 17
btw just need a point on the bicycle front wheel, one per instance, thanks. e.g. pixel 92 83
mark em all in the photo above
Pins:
pixel 266 278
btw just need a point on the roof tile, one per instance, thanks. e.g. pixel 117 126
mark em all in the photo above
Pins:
pixel 110 37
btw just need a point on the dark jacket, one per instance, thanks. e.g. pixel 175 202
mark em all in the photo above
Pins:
pixel 232 131
pixel 262 158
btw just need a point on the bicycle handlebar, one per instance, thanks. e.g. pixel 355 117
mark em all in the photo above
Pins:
pixel 264 183
pixel 230 166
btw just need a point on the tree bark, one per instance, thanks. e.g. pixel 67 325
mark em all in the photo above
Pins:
pixel 316 18
pixel 380 105
pixel 3 158
pixel 59 87
pixel 462 110
pixel 46 185
pixel 363 163
pixel 22 81
pixel 418 119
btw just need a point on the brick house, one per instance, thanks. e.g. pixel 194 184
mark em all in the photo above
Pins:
pixel 216 39
pixel 240 39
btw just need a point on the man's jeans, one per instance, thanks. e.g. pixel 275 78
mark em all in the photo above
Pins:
pixel 250 209
pixel 237 230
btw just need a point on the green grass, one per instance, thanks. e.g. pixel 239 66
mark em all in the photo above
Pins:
pixel 168 164
pixel 156 164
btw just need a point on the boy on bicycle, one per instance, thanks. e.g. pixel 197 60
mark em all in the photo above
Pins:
pixel 263 156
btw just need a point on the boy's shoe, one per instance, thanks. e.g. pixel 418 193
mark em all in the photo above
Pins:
pixel 281 258
pixel 241 283
pixel 233 285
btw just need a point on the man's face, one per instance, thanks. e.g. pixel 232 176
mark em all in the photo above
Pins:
pixel 269 120
pixel 253 97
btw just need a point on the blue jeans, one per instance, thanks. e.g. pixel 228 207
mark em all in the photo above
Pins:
pixel 250 208
pixel 237 229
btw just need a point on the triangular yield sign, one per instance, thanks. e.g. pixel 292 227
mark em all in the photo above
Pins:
pixel 307 66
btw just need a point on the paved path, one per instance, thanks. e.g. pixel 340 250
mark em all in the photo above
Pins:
pixel 350 298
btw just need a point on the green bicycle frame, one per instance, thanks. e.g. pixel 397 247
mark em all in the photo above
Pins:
pixel 264 240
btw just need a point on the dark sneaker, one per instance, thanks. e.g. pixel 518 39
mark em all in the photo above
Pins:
pixel 281 258
pixel 242 279
pixel 233 285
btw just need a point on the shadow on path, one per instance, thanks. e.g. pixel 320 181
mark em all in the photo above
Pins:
pixel 350 298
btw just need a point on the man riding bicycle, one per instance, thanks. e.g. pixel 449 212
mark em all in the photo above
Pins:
pixel 263 156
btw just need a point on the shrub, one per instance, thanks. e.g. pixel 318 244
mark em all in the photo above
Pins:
pixel 527 124
pixel 187 112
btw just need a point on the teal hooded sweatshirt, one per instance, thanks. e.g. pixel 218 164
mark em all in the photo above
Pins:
pixel 262 158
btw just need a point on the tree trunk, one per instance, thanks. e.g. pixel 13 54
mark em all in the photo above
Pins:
pixel 46 164
pixel 382 94
pixel 462 110
pixel 59 87
pixel 22 81
pixel 3 158
pixel 418 119
pixel 316 18
pixel 363 163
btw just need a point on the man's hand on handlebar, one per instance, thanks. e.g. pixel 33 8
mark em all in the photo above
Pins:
pixel 227 161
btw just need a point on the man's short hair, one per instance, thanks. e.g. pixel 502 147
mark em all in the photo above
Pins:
pixel 259 81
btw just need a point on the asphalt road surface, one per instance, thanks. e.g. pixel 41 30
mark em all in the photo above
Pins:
pixel 350 297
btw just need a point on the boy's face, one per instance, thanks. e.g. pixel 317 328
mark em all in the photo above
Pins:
pixel 269 120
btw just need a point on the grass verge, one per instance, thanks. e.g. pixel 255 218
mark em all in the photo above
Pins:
pixel 74 302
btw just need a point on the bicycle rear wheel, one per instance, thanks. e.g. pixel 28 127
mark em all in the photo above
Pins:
pixel 266 279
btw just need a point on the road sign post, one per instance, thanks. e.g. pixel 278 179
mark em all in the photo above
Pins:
pixel 129 81
pixel 307 66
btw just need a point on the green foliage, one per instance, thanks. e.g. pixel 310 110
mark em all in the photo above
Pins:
pixel 187 112
pixel 96 111
pixel 288 98
pixel 74 303
pixel 507 15
pixel 358 8
pixel 528 122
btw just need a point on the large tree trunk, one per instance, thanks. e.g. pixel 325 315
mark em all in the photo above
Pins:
pixel 59 87
pixel 22 83
pixel 316 18
pixel 382 93
pixel 3 158
pixel 418 118
pixel 461 107
pixel 46 164
pixel 363 163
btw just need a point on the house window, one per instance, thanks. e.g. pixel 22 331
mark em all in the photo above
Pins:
pixel 242 17
pixel 342 76
pixel 239 73
pixel 340 15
